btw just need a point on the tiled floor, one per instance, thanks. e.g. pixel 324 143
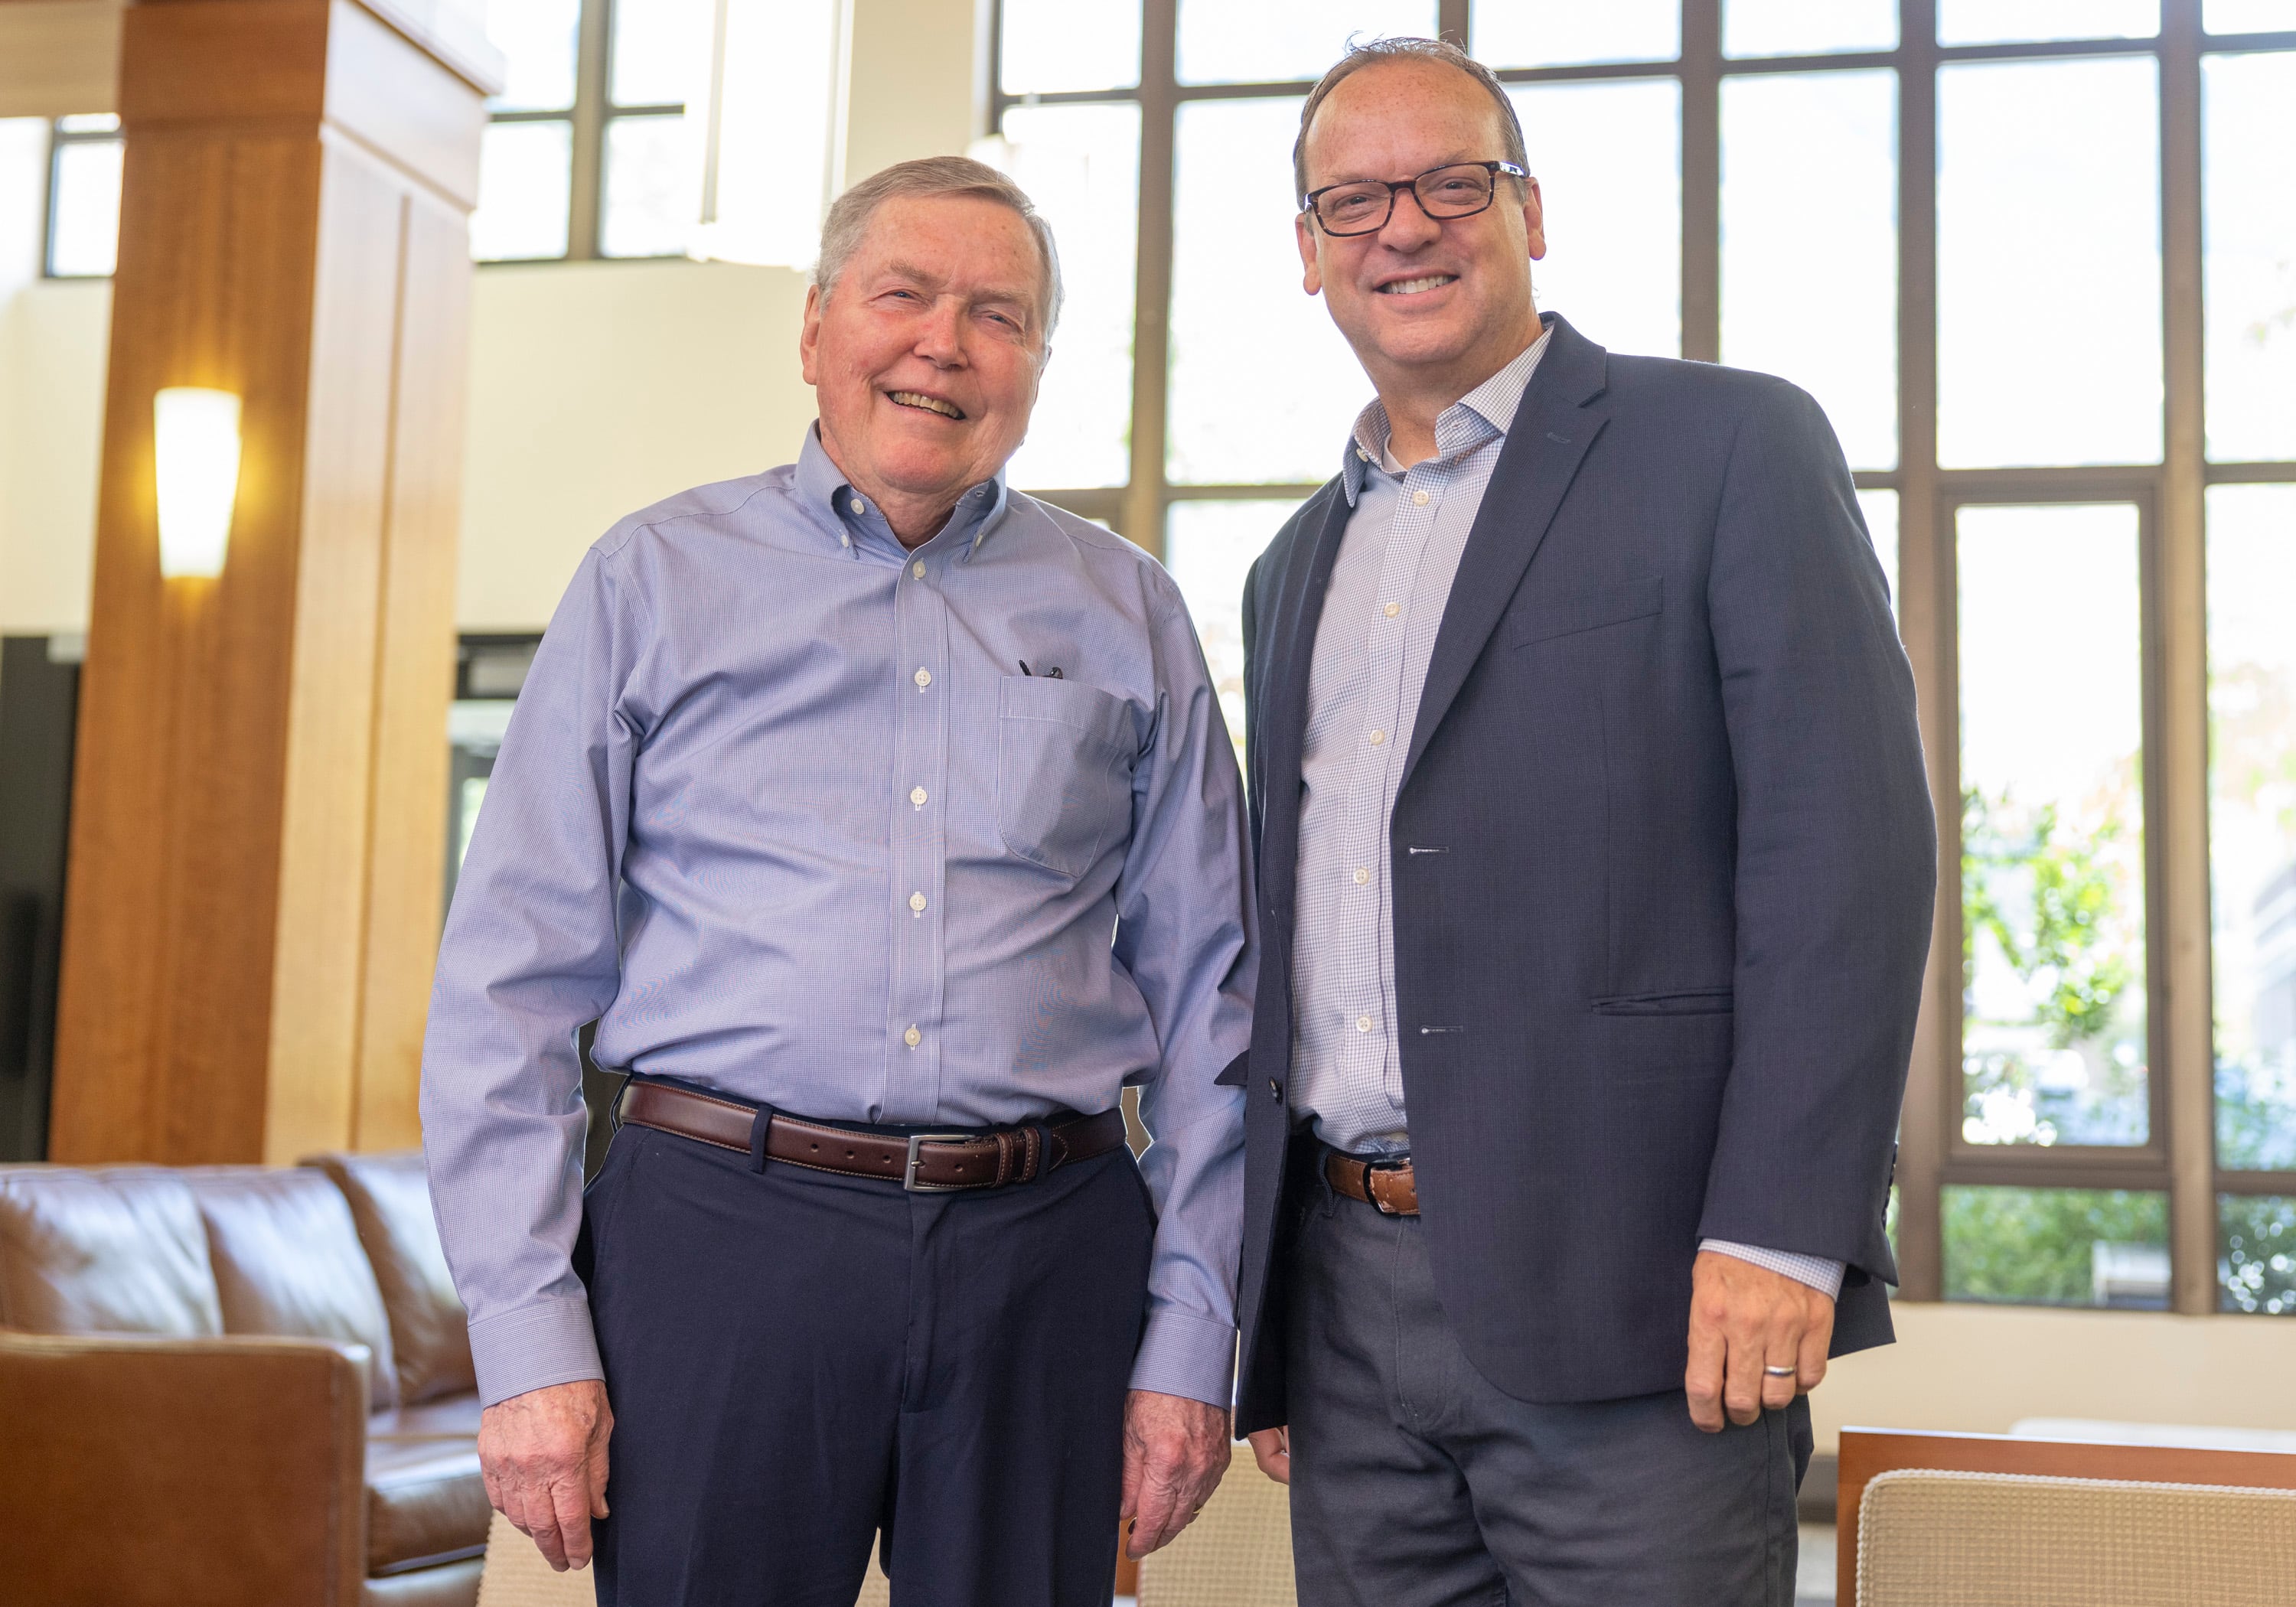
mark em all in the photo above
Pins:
pixel 1814 1582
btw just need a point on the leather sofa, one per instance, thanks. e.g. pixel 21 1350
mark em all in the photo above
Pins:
pixel 233 1385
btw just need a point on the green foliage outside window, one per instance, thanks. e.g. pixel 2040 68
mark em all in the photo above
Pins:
pixel 2035 1245
pixel 2256 1252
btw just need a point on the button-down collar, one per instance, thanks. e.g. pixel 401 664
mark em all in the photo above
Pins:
pixel 860 527
pixel 1488 409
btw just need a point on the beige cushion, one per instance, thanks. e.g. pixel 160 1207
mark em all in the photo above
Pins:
pixel 1927 1539
pixel 390 1198
pixel 288 1262
pixel 115 1250
pixel 1236 1554
pixel 516 1576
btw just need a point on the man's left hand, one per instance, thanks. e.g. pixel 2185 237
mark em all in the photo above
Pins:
pixel 1175 1451
pixel 1744 1318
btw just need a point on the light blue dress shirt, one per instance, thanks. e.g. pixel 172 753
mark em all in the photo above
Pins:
pixel 780 809
pixel 1382 610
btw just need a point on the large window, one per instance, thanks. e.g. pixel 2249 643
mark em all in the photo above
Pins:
pixel 2037 261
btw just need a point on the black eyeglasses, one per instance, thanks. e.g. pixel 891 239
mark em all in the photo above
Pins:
pixel 1363 206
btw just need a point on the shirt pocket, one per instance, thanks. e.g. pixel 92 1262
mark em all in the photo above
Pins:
pixel 1064 756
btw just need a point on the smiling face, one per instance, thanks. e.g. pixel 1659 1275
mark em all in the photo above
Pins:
pixel 926 353
pixel 1428 305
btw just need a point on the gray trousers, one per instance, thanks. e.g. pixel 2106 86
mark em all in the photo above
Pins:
pixel 1416 1483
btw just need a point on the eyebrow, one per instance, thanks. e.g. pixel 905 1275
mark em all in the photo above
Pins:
pixel 993 293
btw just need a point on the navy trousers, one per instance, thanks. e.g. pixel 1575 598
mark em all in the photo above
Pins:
pixel 799 1362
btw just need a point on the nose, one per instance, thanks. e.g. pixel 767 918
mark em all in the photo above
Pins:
pixel 1408 226
pixel 939 338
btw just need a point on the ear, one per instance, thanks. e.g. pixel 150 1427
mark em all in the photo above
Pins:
pixel 1534 219
pixel 1311 267
pixel 808 336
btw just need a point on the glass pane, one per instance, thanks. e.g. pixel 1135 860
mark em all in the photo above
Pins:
pixel 89 122
pixel 653 197
pixel 2248 16
pixel 538 39
pixel 1081 166
pixel 526 175
pixel 1796 27
pixel 2253 820
pixel 1050 45
pixel 2057 1247
pixel 2048 263
pixel 772 134
pixel 1608 158
pixel 661 52
pixel 1810 292
pixel 1881 510
pixel 1269 41
pixel 1565 33
pixel 2256 1252
pixel 1263 387
pixel 2052 827
pixel 1207 547
pixel 83 230
pixel 2002 21
pixel 2248 187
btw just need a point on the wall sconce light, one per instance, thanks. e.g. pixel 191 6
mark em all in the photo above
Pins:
pixel 196 432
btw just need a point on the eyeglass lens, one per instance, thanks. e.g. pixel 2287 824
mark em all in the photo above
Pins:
pixel 1458 191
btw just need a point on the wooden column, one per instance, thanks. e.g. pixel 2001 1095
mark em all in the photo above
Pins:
pixel 258 806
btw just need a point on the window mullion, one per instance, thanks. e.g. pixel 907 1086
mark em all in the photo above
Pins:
pixel 589 129
pixel 1143 522
pixel 2183 992
pixel 1702 180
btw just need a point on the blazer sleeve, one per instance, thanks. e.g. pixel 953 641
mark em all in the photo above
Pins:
pixel 1836 849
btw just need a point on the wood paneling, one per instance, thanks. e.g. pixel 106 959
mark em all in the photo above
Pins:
pixel 253 812
pixel 1866 1453
pixel 59 57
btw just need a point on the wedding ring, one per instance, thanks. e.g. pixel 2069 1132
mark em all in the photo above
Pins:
pixel 1779 1371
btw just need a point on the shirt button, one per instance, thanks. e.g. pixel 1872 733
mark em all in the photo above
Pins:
pixel 858 506
pixel 917 902
pixel 924 679
pixel 1419 498
pixel 912 1038
pixel 1394 609
pixel 1377 737
pixel 1362 877
pixel 918 569
pixel 917 797
pixel 1363 1023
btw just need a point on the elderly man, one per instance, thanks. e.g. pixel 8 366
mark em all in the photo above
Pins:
pixel 824 795
pixel 1595 866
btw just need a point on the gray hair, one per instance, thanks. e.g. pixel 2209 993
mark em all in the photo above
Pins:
pixel 1442 53
pixel 849 215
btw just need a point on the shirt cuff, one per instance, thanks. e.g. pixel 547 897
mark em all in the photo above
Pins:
pixel 1186 1355
pixel 1816 1271
pixel 534 1348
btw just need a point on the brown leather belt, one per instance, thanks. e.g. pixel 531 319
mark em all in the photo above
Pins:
pixel 1386 1186
pixel 924 1163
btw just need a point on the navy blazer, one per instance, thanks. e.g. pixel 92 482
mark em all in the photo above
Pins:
pixel 1662 870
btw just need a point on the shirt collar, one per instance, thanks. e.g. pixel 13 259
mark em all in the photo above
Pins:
pixel 1486 410
pixel 822 486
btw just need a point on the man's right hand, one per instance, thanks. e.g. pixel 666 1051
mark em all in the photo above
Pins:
pixel 543 1456
pixel 1272 1449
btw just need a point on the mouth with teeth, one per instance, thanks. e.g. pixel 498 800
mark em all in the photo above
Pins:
pixel 1413 287
pixel 929 403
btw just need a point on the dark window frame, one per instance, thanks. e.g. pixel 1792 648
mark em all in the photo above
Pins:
pixel 2179 1157
pixel 59 138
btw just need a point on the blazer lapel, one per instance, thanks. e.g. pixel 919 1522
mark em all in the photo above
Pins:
pixel 1290 654
pixel 1559 417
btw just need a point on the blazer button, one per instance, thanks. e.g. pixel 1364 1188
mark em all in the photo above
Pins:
pixel 1275 1090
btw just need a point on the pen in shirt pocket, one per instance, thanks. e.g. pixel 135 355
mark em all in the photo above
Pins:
pixel 1052 673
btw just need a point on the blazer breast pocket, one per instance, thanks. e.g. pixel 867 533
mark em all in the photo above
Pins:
pixel 1546 619
pixel 1064 758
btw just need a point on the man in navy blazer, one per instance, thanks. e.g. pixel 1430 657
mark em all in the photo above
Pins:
pixel 1595 863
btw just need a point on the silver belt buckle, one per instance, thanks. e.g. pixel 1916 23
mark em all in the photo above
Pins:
pixel 909 1174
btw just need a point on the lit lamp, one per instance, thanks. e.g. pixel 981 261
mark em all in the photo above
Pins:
pixel 197 450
